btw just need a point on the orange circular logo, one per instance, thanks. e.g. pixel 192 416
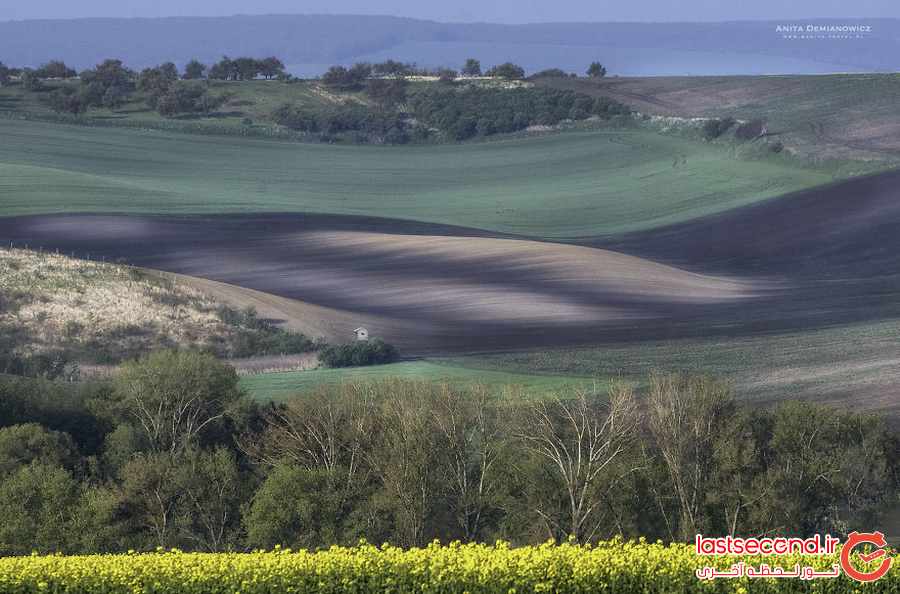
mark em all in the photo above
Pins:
pixel 873 538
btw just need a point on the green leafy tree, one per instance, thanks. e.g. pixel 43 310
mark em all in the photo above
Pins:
pixel 551 73
pixel 295 507
pixel 108 84
pixel 393 68
pixel 596 70
pixel 508 71
pixel 247 68
pixel 151 495
pixel 4 74
pixel 173 397
pixel 472 67
pixel 347 79
pixel 271 67
pixel 224 69
pixel 156 82
pixel 21 445
pixel 387 92
pixel 37 506
pixel 194 70
pixel 109 73
pixel 56 69
pixel 67 100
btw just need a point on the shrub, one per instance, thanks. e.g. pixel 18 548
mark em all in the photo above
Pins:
pixel 507 70
pixel 67 100
pixel 551 73
pixel 257 336
pixel 714 128
pixel 357 354
pixel 347 79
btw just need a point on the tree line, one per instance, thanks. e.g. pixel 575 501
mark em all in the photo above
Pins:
pixel 171 453
pixel 395 112
pixel 110 84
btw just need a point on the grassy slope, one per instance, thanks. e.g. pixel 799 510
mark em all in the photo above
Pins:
pixel 566 185
pixel 277 386
pixel 100 313
pixel 819 117
pixel 253 101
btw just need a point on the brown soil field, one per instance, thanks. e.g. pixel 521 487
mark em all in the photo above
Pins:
pixel 424 292
pixel 813 259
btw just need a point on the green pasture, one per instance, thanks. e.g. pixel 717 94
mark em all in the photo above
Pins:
pixel 577 184
pixel 278 386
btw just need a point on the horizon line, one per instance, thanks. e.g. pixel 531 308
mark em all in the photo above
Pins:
pixel 434 21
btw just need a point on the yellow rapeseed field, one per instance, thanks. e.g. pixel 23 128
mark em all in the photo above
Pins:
pixel 611 567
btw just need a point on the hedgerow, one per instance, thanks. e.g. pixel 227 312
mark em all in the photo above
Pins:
pixel 608 567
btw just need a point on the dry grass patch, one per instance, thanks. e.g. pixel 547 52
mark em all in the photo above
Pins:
pixel 103 313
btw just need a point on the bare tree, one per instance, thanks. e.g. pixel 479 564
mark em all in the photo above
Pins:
pixel 404 458
pixel 580 438
pixel 210 485
pixel 327 430
pixel 469 433
pixel 685 417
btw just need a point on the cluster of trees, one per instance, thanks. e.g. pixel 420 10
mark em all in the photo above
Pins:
pixel 354 78
pixel 170 453
pixel 356 122
pixel 109 85
pixel 359 353
pixel 475 111
pixel 166 90
pixel 258 337
pixel 243 68
pixel 55 69
pixel 6 73
pixel 458 113
pixel 169 95
pixel 507 70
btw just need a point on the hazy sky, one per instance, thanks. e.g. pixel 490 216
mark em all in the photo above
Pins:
pixel 505 11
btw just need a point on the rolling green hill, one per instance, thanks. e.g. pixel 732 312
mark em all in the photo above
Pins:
pixel 578 184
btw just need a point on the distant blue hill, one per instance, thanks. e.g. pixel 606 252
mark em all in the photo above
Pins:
pixel 309 43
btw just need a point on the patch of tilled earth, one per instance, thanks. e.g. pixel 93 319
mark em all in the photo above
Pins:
pixel 426 288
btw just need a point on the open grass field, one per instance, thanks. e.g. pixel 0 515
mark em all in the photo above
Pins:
pixel 278 386
pixel 819 117
pixel 579 184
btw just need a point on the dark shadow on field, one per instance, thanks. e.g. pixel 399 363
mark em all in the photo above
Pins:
pixel 846 230
pixel 818 258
